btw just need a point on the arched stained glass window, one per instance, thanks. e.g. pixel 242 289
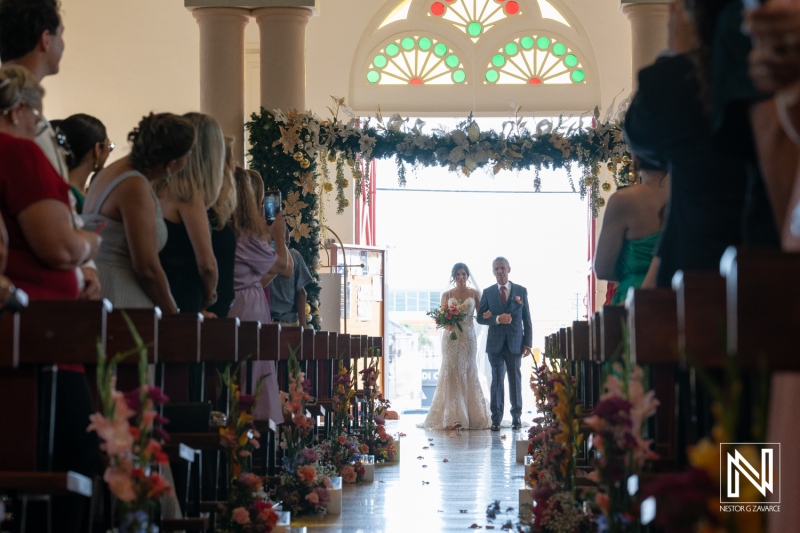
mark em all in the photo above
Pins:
pixel 535 60
pixel 474 17
pixel 415 60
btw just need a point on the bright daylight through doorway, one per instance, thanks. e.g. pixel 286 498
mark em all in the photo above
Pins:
pixel 441 218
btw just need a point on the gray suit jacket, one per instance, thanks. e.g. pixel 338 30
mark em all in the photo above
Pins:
pixel 518 333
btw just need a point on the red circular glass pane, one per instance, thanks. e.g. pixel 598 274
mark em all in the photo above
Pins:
pixel 511 7
pixel 534 81
pixel 437 9
pixel 415 81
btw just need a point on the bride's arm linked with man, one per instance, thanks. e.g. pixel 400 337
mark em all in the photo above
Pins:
pixel 504 308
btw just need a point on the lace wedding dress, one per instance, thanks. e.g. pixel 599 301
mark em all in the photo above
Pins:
pixel 459 400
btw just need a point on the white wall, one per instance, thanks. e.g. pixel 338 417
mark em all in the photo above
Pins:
pixel 124 59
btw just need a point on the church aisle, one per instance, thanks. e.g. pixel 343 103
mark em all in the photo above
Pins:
pixel 425 494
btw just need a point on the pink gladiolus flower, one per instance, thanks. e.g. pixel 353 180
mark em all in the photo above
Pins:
pixel 241 516
pixel 120 484
pixel 327 482
pixel 313 498
pixel 340 439
pixel 364 449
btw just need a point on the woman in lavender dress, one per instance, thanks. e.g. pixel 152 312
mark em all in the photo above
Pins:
pixel 255 259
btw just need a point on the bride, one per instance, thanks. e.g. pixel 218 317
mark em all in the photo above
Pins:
pixel 459 401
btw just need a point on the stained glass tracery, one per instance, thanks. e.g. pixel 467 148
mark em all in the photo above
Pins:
pixel 474 17
pixel 535 60
pixel 416 60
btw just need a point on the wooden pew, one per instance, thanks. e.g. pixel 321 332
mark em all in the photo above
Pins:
pixel 27 382
pixel 120 340
pixel 612 318
pixel 653 337
pixel 580 351
pixel 763 307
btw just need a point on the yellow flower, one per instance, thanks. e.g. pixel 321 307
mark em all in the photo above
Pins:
pixel 705 455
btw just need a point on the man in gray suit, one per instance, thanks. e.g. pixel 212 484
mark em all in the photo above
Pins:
pixel 504 308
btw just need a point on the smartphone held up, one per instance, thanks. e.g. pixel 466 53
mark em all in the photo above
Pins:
pixel 272 205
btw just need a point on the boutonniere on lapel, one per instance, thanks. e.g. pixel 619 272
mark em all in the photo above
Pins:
pixel 518 299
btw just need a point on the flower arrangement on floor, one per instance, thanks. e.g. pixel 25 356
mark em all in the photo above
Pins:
pixel 374 436
pixel 449 316
pixel 133 451
pixel 621 450
pixel 247 509
pixel 554 441
pixel 304 482
pixel 344 455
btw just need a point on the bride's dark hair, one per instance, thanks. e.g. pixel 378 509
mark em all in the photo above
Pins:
pixel 456 268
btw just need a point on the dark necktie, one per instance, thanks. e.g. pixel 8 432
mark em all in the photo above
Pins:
pixel 503 293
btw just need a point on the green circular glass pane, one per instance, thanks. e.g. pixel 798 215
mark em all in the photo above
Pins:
pixel 526 42
pixel 578 76
pixel 392 50
pixel 499 60
pixel 474 28
pixel 512 49
pixel 379 61
pixel 491 76
pixel 407 43
pixel 459 76
pixel 425 44
pixel 451 61
pixel 373 76
pixel 440 49
pixel 559 49
pixel 571 60
pixel 543 42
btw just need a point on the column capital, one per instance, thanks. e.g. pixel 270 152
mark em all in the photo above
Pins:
pixel 624 3
pixel 310 5
pixel 229 13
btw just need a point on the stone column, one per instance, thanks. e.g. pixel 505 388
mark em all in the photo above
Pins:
pixel 649 33
pixel 283 57
pixel 222 69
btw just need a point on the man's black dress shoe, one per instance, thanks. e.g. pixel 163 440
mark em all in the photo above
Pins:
pixel 495 427
pixel 516 425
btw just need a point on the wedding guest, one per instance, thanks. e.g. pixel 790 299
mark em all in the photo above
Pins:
pixel 669 122
pixel 6 287
pixel 121 199
pixel 223 238
pixel 288 292
pixel 188 258
pixel 32 37
pixel 631 229
pixel 88 148
pixel 44 250
pixel 255 259
pixel 775 69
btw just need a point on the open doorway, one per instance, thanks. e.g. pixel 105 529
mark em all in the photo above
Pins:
pixel 441 218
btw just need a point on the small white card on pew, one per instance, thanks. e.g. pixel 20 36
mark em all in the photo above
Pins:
pixel 284 521
pixel 335 493
pixel 369 467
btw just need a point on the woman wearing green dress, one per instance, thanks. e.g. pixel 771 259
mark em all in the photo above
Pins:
pixel 631 230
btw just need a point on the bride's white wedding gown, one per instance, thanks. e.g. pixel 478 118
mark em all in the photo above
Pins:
pixel 459 399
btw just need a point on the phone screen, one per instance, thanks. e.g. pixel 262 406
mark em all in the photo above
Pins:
pixel 272 205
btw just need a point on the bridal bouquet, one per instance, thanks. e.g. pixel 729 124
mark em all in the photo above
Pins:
pixel 449 316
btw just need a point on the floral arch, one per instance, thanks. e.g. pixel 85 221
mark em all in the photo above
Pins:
pixel 451 50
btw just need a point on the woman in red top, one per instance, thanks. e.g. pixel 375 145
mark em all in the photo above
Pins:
pixel 44 253
pixel 44 248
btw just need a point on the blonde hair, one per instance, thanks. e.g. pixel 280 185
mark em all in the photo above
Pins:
pixel 205 168
pixel 17 84
pixel 247 219
pixel 226 201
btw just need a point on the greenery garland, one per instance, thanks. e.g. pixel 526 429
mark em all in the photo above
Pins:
pixel 287 147
pixel 295 176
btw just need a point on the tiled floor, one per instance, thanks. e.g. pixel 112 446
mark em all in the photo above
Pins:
pixel 425 494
